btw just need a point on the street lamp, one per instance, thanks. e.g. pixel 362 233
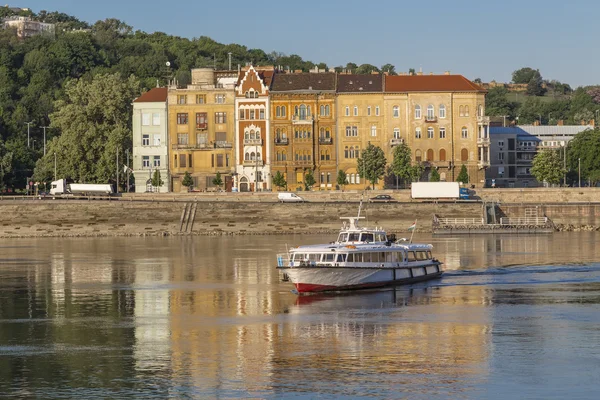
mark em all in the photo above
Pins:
pixel 54 165
pixel 28 126
pixel 44 128
pixel 579 159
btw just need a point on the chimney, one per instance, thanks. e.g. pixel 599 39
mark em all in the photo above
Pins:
pixel 374 73
pixel 560 122
pixel 446 72
pixel 420 73
pixel 431 73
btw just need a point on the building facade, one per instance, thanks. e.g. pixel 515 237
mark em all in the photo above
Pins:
pixel 442 119
pixel 303 123
pixel 201 130
pixel 150 140
pixel 26 27
pixel 253 139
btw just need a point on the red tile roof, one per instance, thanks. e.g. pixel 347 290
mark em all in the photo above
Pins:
pixel 155 95
pixel 430 83
pixel 265 75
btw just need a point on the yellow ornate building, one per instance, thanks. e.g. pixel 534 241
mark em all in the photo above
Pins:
pixel 303 124
pixel 201 129
pixel 442 119
pixel 361 119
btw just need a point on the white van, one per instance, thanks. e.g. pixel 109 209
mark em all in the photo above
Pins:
pixel 289 198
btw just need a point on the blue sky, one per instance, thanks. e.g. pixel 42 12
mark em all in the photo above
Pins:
pixel 485 39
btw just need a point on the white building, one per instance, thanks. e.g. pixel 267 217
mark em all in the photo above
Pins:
pixel 150 141
pixel 26 27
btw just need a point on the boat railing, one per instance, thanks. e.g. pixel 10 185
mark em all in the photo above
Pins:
pixel 459 221
pixel 523 220
pixel 283 259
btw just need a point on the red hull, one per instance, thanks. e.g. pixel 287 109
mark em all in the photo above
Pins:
pixel 312 288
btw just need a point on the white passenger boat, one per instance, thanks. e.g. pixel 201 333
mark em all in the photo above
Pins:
pixel 360 258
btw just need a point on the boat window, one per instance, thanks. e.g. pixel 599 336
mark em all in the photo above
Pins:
pixel 379 237
pixel 354 237
pixel 358 257
pixel 343 237
pixel 341 257
pixel 314 257
pixel 370 257
pixel 390 257
pixel 351 257
pixel 329 257
pixel 298 257
pixel 411 256
pixel 367 237
pixel 429 255
pixel 421 255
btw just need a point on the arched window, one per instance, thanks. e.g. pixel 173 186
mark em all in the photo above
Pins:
pixel 396 112
pixel 430 133
pixel 442 155
pixel 461 111
pixel 327 133
pixel 347 111
pixel 246 135
pixel 278 111
pixel 247 156
pixel 247 95
pixel 442 111
pixel 464 132
pixel 346 153
pixel 327 110
pixel 430 155
pixel 322 110
pixel 464 155
pixel 284 156
pixel 466 111
pixel 303 111
pixel 283 110
pixel 351 151
pixel 430 111
pixel 418 156
pixel 283 134
pixel 278 133
pixel 417 112
pixel 355 111
pixel 480 111
pixel 396 133
pixel 418 133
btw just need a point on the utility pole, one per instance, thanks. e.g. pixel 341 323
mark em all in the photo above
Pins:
pixel 28 126
pixel 117 169
pixel 579 172
pixel 44 128
pixel 54 165
pixel 229 60
pixel 504 123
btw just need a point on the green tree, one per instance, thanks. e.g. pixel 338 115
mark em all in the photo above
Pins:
pixel 279 180
pixel 342 179
pixel 534 86
pixel 463 175
pixel 435 175
pixel 371 164
pixel 585 146
pixel 389 68
pixel 157 182
pixel 401 162
pixel 416 171
pixel 217 181
pixel 548 166
pixel 524 75
pixel 309 180
pixel 497 103
pixel 187 181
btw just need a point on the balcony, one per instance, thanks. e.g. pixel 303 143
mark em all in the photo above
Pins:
pixel 253 163
pixel 199 146
pixel 282 141
pixel 202 127
pixel 527 148
pixel 302 120
pixel 223 145
pixel 325 140
pixel 396 142
pixel 483 164
pixel 483 141
pixel 253 142
pixel 524 161
pixel 431 119
pixel 483 120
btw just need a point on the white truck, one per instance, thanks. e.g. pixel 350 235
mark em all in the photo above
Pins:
pixel 438 190
pixel 62 187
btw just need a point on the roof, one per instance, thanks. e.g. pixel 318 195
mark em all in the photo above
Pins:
pixel 155 95
pixel 351 83
pixel 430 83
pixel 266 75
pixel 541 130
pixel 304 81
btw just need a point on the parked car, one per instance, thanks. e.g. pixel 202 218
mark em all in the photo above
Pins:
pixel 289 198
pixel 382 198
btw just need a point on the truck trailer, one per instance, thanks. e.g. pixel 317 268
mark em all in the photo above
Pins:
pixel 438 190
pixel 61 187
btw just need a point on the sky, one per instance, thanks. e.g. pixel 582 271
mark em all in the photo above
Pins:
pixel 484 39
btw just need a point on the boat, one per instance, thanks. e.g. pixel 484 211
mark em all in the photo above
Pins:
pixel 360 258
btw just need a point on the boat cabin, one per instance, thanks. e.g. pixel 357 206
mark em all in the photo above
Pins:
pixel 351 233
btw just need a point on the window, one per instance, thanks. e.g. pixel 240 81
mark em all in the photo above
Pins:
pixel 182 118
pixel 373 130
pixel 377 111
pixel 430 111
pixel 351 131
pixel 430 155
pixel 417 112
pixel 261 114
pixel 183 161
pixel 283 111
pixel 220 117
pixel 145 119
pixel 442 111
pixel 181 99
pixel 464 155
pixel 480 110
pixel 175 163
pixel 466 111
pixel 442 155
pixel 182 138
pixel 501 156
pixel 418 157
pixel 355 111
pixel 430 133
pixel 220 138
pixel 461 111
pixel 347 111
pixel 146 161
pixel 190 160
pixel 156 119
pixel 500 143
pixel 396 133
pixel 464 133
pixel 278 111
pixel 202 138
pixel 442 133
pixel 145 140
pixel 418 133
pixel 369 111
pixel 251 114
pixel 201 120
pixel 156 141
pixel 200 99
pixel 156 161
pixel 220 98
pixel 220 160
pixel 396 112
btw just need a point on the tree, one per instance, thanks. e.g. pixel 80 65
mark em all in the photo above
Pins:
pixel 534 86
pixel 478 81
pixel 497 103
pixel 435 175
pixel 309 180
pixel 279 180
pixel 401 162
pixel 524 75
pixel 187 181
pixel 371 164
pixel 157 182
pixel 463 176
pixel 389 68
pixel 366 69
pixel 342 179
pixel 416 171
pixel 411 71
pixel 585 146
pixel 548 166
pixel 217 181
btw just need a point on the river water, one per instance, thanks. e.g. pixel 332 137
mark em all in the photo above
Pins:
pixel 207 317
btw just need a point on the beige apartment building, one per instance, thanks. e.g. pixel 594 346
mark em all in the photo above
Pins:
pixel 201 130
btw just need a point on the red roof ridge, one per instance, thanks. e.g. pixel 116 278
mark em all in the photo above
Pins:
pixel 154 95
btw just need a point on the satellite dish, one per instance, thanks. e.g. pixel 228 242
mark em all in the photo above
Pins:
pixel 168 64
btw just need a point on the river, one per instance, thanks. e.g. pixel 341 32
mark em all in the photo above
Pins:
pixel 207 317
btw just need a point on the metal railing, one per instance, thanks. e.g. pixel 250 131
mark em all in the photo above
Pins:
pixel 460 221
pixel 523 221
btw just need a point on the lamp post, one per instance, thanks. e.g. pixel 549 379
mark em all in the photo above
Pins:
pixel 44 128
pixel 28 126
pixel 54 165
pixel 256 169
pixel 579 159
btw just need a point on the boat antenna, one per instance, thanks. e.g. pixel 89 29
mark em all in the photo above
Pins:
pixel 359 207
